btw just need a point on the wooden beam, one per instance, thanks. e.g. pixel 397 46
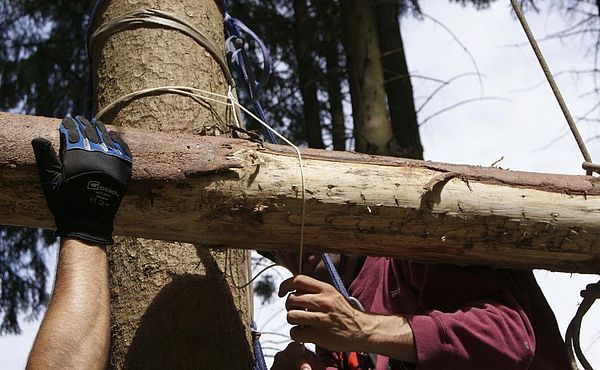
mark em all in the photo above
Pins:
pixel 235 193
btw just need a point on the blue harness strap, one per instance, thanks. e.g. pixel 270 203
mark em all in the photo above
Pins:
pixel 259 357
pixel 335 276
pixel 239 60
pixel 337 282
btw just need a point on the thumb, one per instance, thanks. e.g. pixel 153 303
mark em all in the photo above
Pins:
pixel 48 164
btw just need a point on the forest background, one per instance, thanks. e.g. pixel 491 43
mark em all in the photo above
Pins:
pixel 478 95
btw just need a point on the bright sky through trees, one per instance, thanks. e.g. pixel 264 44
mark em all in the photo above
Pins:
pixel 524 127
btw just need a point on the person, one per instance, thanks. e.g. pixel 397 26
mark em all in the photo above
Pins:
pixel 425 316
pixel 418 316
pixel 84 187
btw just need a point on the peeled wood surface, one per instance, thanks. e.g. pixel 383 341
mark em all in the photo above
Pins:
pixel 235 193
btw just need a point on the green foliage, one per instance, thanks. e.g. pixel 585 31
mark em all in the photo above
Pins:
pixel 42 58
pixel 43 72
pixel 23 275
pixel 478 4
pixel 272 20
pixel 265 289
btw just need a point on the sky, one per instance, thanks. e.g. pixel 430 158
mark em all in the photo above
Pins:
pixel 520 123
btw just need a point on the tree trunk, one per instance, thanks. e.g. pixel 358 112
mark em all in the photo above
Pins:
pixel 226 192
pixel 307 74
pixel 398 86
pixel 328 11
pixel 372 128
pixel 173 305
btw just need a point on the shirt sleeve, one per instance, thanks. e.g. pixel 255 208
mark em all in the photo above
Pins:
pixel 472 321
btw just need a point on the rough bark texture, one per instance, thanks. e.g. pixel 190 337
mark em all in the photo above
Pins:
pixel 372 127
pixel 398 86
pixel 225 192
pixel 307 75
pixel 171 304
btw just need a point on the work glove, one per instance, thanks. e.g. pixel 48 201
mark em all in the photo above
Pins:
pixel 84 186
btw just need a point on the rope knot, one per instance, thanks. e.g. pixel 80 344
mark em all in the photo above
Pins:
pixel 255 334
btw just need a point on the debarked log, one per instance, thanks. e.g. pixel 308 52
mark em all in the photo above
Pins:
pixel 232 193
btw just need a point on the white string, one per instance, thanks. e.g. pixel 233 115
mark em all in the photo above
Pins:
pixel 229 100
pixel 301 177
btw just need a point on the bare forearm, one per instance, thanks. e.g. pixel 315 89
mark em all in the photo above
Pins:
pixel 390 336
pixel 75 332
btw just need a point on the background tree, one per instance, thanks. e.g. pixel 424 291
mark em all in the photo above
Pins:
pixel 273 21
pixel 173 305
pixel 42 71
pixel 23 277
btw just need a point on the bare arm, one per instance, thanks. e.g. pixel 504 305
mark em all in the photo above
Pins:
pixel 75 332
pixel 390 336
pixel 324 317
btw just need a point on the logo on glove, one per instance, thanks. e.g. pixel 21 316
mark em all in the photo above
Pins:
pixel 95 185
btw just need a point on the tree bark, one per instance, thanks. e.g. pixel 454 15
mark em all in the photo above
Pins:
pixel 307 73
pixel 372 128
pixel 226 192
pixel 173 305
pixel 398 86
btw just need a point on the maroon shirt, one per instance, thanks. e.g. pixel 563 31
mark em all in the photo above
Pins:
pixel 465 317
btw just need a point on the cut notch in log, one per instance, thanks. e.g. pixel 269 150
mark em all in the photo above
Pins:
pixel 233 193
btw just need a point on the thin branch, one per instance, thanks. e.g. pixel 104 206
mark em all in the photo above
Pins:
pixel 560 137
pixel 544 82
pixel 463 47
pixel 592 138
pixel 274 333
pixel 467 101
pixel 590 111
pixel 423 77
pixel 439 88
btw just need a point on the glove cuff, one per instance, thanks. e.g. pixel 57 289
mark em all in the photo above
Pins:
pixel 79 229
pixel 93 239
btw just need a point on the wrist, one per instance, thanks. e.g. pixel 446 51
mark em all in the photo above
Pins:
pixel 390 336
pixel 83 239
pixel 86 238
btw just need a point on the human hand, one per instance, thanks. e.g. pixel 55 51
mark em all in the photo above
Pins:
pixel 296 357
pixel 84 186
pixel 321 315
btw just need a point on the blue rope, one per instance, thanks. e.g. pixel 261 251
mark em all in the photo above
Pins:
pixel 335 276
pixel 260 363
pixel 238 58
pixel 339 285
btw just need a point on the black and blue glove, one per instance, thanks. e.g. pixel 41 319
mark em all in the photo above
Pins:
pixel 84 186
